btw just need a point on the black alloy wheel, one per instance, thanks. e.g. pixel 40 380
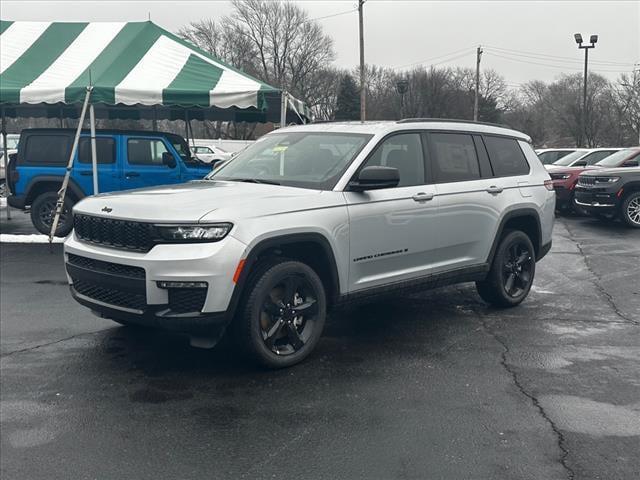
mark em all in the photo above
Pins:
pixel 517 269
pixel 43 211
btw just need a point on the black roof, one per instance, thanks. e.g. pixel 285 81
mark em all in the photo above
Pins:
pixel 451 120
pixel 104 131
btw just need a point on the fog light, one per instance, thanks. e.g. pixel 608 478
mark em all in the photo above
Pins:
pixel 164 284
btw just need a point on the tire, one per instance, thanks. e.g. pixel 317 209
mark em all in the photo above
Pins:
pixel 266 328
pixel 42 210
pixel 631 210
pixel 512 271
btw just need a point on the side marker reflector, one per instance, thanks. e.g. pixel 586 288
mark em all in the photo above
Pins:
pixel 236 275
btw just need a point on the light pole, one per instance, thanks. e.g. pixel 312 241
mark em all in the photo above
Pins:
pixel 402 86
pixel 583 123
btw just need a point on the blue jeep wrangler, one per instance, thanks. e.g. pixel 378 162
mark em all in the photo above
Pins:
pixel 126 159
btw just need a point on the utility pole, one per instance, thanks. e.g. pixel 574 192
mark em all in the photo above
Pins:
pixel 583 118
pixel 477 92
pixel 363 109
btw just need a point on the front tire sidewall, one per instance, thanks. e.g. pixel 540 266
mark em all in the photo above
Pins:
pixel 624 214
pixel 259 289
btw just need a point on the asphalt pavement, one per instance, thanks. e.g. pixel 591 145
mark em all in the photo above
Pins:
pixel 430 386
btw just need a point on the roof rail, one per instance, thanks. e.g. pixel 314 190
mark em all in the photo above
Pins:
pixel 450 120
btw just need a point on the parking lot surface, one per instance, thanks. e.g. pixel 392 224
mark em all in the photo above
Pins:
pixel 436 385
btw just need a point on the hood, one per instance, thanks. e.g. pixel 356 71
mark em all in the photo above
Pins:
pixel 190 202
pixel 561 169
pixel 614 171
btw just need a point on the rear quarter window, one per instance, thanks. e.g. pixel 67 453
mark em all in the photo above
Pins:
pixel 506 156
pixel 47 150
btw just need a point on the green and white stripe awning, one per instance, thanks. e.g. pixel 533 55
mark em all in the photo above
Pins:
pixel 135 63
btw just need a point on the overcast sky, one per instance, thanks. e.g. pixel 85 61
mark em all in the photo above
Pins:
pixel 523 40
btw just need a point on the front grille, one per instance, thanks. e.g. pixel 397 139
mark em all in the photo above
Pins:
pixel 586 181
pixel 106 267
pixel 183 300
pixel 136 301
pixel 122 234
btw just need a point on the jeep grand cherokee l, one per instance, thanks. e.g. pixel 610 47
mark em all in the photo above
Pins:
pixel 309 218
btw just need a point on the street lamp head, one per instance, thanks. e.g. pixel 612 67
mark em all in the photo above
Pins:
pixel 593 39
pixel 578 38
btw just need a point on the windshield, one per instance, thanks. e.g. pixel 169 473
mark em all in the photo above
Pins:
pixel 299 159
pixel 617 158
pixel 572 157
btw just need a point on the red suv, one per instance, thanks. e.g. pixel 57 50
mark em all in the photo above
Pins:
pixel 565 178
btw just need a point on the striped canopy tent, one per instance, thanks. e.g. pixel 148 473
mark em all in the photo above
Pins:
pixel 136 64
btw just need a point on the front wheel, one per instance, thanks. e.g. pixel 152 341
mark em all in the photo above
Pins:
pixel 631 210
pixel 43 210
pixel 511 275
pixel 283 315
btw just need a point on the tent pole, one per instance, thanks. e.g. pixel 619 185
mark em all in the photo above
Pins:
pixel 5 160
pixel 94 155
pixel 283 108
pixel 65 182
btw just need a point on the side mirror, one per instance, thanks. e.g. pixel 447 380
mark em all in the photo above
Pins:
pixel 580 164
pixel 631 163
pixel 168 160
pixel 375 178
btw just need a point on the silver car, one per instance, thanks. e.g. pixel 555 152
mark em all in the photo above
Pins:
pixel 310 218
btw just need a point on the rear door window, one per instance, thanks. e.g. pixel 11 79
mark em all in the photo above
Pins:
pixel 506 156
pixel 453 157
pixel 105 150
pixel 47 150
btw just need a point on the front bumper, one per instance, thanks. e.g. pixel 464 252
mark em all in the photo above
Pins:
pixel 123 285
pixel 597 201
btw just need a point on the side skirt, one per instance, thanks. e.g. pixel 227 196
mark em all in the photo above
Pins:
pixel 426 282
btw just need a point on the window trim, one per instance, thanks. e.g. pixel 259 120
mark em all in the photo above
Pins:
pixel 169 148
pixel 430 142
pixel 528 172
pixel 420 133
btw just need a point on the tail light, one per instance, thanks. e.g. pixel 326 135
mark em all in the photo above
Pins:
pixel 548 184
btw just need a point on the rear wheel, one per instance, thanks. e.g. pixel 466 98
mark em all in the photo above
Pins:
pixel 631 210
pixel 511 275
pixel 284 313
pixel 43 210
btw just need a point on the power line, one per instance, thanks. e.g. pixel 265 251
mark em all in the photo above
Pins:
pixel 561 67
pixel 544 56
pixel 467 49
pixel 332 15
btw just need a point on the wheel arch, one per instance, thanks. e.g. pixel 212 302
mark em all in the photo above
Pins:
pixel 524 219
pixel 47 183
pixel 311 248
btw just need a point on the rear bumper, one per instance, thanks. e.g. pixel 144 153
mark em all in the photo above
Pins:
pixel 16 201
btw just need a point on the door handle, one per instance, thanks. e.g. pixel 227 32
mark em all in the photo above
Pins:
pixel 131 174
pixel 494 190
pixel 422 197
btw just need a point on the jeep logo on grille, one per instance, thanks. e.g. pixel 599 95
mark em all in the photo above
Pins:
pixel 107 209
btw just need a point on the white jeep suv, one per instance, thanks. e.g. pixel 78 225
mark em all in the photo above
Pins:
pixel 311 217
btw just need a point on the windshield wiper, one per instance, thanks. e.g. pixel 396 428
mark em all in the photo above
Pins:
pixel 254 180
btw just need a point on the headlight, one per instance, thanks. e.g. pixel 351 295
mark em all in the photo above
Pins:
pixel 602 180
pixel 560 176
pixel 194 233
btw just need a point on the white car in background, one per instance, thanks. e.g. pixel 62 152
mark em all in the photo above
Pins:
pixel 211 154
pixel 551 155
pixel 583 158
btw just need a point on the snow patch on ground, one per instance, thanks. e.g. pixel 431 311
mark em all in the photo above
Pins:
pixel 34 238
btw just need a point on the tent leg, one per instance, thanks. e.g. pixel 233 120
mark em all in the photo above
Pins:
pixel 5 160
pixel 94 155
pixel 65 182
pixel 283 109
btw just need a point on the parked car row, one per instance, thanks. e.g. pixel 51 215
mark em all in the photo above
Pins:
pixel 565 171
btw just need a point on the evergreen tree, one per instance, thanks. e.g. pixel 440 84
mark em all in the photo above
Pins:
pixel 348 100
